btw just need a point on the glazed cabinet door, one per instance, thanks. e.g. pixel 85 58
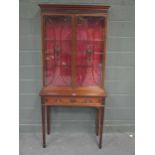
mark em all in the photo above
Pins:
pixel 89 51
pixel 57 53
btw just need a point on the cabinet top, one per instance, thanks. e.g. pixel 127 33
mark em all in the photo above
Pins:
pixel 74 7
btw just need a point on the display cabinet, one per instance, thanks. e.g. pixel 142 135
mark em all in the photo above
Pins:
pixel 73 59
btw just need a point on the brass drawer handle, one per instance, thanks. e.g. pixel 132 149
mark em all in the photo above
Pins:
pixel 73 94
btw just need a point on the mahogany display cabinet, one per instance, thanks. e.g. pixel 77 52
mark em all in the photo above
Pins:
pixel 73 59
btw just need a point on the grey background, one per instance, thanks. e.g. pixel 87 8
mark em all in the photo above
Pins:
pixel 119 113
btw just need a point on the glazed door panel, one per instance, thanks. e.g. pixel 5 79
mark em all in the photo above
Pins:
pixel 58 50
pixel 86 66
pixel 89 48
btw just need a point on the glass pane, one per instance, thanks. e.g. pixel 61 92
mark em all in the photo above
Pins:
pixel 89 50
pixel 89 76
pixel 58 28
pixel 58 50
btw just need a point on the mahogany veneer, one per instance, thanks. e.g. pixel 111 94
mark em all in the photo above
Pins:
pixel 73 59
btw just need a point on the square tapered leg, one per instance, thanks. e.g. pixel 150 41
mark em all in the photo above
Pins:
pixel 48 120
pixel 101 126
pixel 43 108
pixel 97 122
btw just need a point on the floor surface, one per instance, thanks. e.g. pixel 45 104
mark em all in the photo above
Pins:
pixel 77 144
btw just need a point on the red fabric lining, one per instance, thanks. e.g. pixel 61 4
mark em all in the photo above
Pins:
pixel 89 37
pixel 58 51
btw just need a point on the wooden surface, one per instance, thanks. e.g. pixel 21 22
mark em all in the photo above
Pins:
pixel 73 95
pixel 74 33
pixel 68 91
pixel 73 101
pixel 74 7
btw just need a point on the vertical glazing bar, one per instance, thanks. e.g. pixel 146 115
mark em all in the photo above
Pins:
pixel 73 51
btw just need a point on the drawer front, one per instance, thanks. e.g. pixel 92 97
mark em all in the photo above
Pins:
pixel 72 100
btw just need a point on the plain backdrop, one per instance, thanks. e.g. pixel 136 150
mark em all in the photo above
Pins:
pixel 119 84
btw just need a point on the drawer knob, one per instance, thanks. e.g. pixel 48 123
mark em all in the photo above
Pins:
pixel 73 94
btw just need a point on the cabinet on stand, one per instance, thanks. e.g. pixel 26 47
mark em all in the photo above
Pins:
pixel 73 59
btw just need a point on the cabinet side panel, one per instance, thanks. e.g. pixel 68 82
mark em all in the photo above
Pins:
pixel 43 47
pixel 104 50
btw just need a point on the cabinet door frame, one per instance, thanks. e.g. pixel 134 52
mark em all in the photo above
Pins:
pixel 103 43
pixel 43 36
pixel 73 43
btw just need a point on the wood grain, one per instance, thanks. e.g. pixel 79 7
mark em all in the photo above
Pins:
pixel 73 95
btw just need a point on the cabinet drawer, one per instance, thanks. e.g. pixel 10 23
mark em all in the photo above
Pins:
pixel 71 100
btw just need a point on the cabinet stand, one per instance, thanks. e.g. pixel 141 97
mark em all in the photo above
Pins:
pixel 46 121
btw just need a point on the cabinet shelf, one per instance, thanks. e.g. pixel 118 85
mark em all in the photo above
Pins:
pixel 91 40
pixel 69 53
pixel 92 65
pixel 69 66
pixel 76 40
pixel 57 39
